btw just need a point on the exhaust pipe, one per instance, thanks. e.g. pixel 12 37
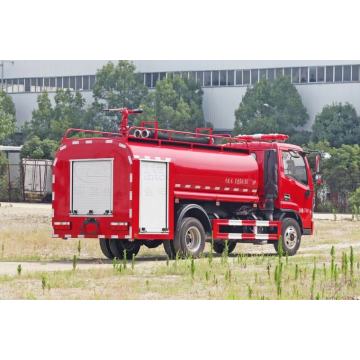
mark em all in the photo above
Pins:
pixel 138 133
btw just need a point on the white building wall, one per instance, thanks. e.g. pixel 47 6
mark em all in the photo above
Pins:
pixel 219 103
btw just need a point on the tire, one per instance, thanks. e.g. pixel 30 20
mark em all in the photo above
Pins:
pixel 105 248
pixel 219 246
pixel 190 239
pixel 169 249
pixel 131 247
pixel 116 248
pixel 152 244
pixel 290 237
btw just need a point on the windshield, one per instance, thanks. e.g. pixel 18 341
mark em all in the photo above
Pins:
pixel 294 166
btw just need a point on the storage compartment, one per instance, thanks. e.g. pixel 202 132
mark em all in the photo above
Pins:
pixel 153 197
pixel 92 187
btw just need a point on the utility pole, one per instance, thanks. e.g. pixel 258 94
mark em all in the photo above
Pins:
pixel 2 64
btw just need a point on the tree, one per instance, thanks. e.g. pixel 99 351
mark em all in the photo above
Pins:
pixel 338 124
pixel 116 86
pixel 35 148
pixel 271 107
pixel 176 103
pixel 7 116
pixel 51 122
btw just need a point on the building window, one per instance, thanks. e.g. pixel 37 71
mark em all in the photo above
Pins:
pixel 329 74
pixel 200 78
pixel 239 77
pixel 271 74
pixel 312 74
pixel 207 78
pixel 27 85
pixel 279 72
pixel 21 85
pixel 86 83
pixel 8 86
pixel 230 78
pixel 46 83
pixel 287 73
pixel 66 82
pixel 59 82
pixel 40 85
pixel 304 75
pixel 262 74
pixel 92 81
pixel 355 73
pixel 295 75
pixel 79 85
pixel 72 83
pixel 155 79
pixel 347 73
pixel 215 78
pixel 162 75
pixel 223 78
pixel 33 85
pixel 246 77
pixel 148 80
pixel 254 76
pixel 338 74
pixel 320 74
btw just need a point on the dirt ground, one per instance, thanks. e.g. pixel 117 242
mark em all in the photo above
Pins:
pixel 35 266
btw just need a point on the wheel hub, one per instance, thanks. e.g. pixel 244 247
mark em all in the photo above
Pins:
pixel 193 239
pixel 290 237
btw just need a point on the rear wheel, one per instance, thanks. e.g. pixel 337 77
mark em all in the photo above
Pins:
pixel 219 246
pixel 105 248
pixel 190 240
pixel 290 237
pixel 118 248
pixel 169 249
pixel 152 244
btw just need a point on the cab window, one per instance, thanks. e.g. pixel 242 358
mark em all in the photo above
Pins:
pixel 294 166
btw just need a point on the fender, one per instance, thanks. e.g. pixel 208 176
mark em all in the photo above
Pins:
pixel 196 211
pixel 295 214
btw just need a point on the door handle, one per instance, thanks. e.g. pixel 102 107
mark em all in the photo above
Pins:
pixel 307 193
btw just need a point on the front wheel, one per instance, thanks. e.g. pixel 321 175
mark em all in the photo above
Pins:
pixel 290 237
pixel 190 239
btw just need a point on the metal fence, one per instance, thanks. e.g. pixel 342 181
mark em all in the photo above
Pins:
pixel 30 180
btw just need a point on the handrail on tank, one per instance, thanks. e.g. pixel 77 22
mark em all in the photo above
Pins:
pixel 71 130
pixel 171 133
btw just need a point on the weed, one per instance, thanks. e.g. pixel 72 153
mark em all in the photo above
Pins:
pixel 268 267
pixel 334 213
pixel 125 259
pixel 167 261
pixel 324 270
pixel 228 275
pixel 19 269
pixel 296 272
pixel 192 268
pixel 250 292
pixel 79 248
pixel 133 262
pixel 313 280
pixel 74 262
pixel 332 266
pixel 206 276
pixel 2 250
pixel 43 282
pixel 280 248
pixel 351 262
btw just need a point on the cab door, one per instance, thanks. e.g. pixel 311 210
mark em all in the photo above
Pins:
pixel 296 190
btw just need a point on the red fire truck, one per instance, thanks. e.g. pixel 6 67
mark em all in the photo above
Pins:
pixel 149 186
